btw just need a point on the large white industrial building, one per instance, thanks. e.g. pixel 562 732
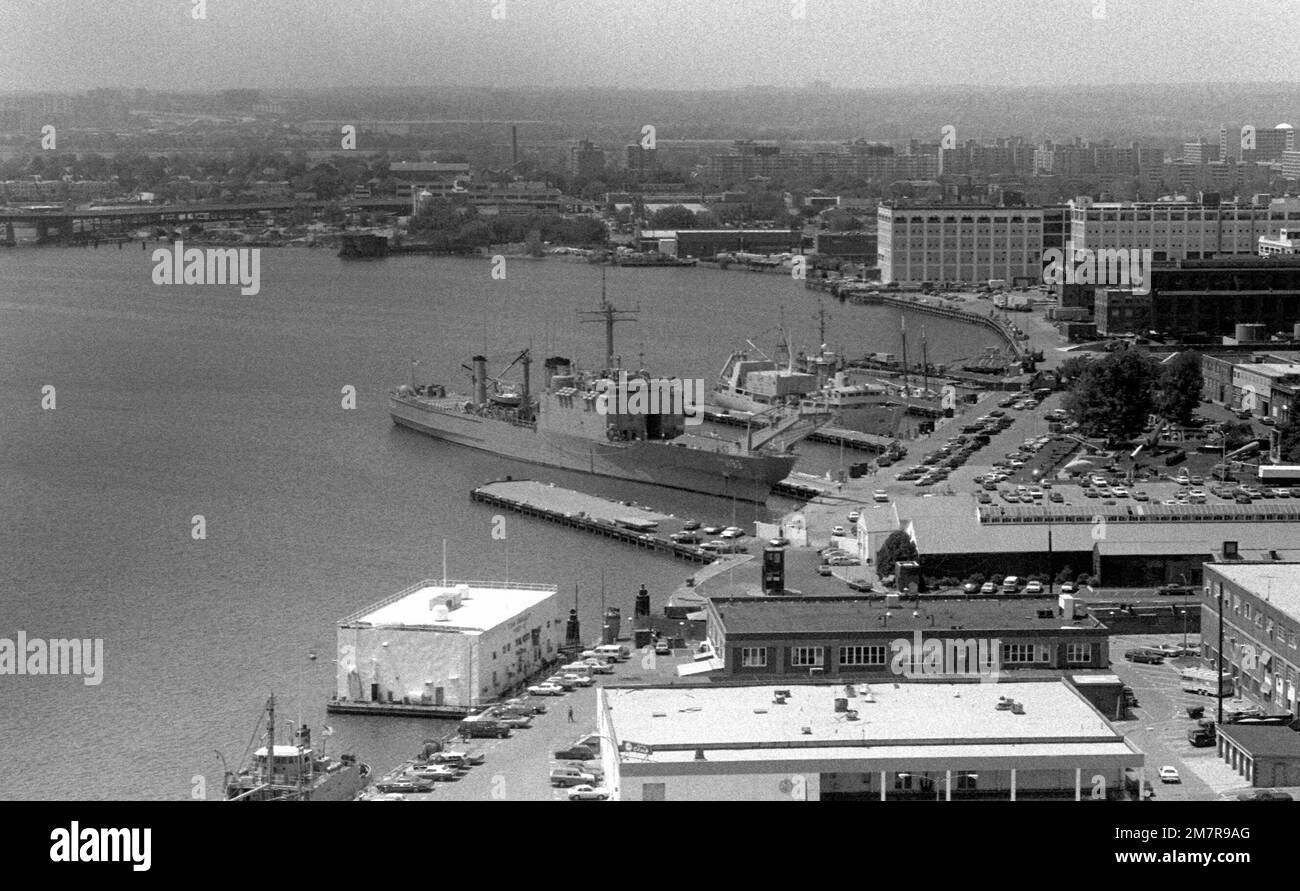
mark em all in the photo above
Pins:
pixel 448 643
pixel 886 741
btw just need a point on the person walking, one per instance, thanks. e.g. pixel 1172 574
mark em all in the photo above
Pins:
pixel 570 714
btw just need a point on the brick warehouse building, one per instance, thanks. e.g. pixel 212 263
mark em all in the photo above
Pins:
pixel 758 638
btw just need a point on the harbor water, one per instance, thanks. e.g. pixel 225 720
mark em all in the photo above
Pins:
pixel 175 408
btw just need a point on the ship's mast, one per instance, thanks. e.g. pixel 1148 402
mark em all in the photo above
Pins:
pixel 269 775
pixel 609 314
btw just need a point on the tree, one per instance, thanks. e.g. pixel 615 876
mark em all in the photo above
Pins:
pixel 1289 441
pixel 1072 369
pixel 1180 388
pixel 1114 396
pixel 898 547
pixel 675 217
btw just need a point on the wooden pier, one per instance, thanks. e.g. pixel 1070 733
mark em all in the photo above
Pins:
pixel 595 516
pixel 399 709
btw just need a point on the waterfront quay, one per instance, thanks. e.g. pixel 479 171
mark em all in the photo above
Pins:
pixel 518 767
pixel 628 523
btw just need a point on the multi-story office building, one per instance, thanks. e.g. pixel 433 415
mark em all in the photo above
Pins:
pixel 1285 243
pixel 1174 230
pixel 1261 626
pixel 586 159
pixel 1200 152
pixel 959 243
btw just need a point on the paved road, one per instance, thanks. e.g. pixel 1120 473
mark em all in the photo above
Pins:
pixel 1160 725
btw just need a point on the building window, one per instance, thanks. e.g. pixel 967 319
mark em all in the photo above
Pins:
pixel 1078 653
pixel 805 657
pixel 873 655
pixel 753 657
pixel 1017 653
pixel 968 781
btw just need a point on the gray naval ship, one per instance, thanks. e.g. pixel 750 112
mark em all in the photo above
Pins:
pixel 597 422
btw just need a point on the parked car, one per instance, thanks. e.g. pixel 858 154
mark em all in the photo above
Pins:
pixel 825 569
pixel 880 495
pixel 1265 794
pixel 1069 588
pixel 844 561
pixel 1034 588
pixel 546 690
pixel 860 585
pixel 571 776
pixel 691 525
pixel 988 588
pixel 405 784
pixel 1146 656
pixel 733 532
pixel 662 648
pixel 587 792
pixel 779 542
pixel 970 588
pixel 838 531
pixel 1169 774
pixel 439 773
pixel 576 753
pixel 854 516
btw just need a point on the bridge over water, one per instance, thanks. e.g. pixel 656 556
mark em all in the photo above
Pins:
pixel 66 224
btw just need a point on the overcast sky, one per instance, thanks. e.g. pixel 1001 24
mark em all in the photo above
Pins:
pixel 661 44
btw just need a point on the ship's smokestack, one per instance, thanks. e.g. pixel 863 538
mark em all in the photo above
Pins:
pixel 480 380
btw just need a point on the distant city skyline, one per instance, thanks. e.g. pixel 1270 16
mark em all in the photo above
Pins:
pixel 64 45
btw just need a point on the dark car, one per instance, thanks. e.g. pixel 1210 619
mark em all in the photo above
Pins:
pixel 576 753
pixel 1265 795
pixel 860 585
pixel 1147 656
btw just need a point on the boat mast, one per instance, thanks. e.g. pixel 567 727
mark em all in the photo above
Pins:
pixel 269 775
pixel 907 387
pixel 925 365
pixel 609 314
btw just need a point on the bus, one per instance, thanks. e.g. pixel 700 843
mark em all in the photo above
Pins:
pixel 1279 474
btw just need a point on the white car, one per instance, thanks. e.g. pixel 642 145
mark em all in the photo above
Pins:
pixel 588 793
pixel 1034 588
pixel 854 516
pixel 547 689
pixel 1169 774
pixel 733 532
pixel 1068 588
pixel 1119 492
pixel 579 680
pixel 880 495
pixel 838 530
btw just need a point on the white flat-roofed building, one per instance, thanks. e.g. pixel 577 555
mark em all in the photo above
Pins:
pixel 935 741
pixel 959 243
pixel 1285 243
pixel 448 643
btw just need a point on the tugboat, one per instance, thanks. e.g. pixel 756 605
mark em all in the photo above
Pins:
pixel 295 772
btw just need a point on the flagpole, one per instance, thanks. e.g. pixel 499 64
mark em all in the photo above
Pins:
pixel 444 562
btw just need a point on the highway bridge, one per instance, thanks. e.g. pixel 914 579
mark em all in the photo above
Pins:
pixel 65 224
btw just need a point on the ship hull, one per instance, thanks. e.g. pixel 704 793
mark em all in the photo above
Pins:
pixel 712 472
pixel 342 785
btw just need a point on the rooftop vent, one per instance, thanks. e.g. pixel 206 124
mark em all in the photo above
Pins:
pixel 441 613
pixel 806 730
pixel 851 714
pixel 699 755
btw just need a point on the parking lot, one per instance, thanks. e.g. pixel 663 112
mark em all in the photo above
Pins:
pixel 518 767
pixel 1160 722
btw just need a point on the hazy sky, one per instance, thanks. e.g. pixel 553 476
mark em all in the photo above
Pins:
pixel 662 44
